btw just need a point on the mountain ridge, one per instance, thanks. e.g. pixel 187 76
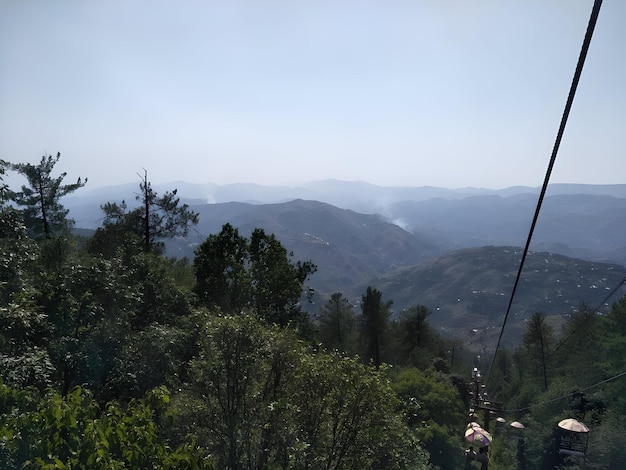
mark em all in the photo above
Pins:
pixel 393 238
pixel 340 193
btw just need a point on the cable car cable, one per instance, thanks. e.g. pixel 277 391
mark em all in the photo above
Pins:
pixel 610 379
pixel 568 106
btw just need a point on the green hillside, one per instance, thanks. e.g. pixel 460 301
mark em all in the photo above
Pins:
pixel 468 291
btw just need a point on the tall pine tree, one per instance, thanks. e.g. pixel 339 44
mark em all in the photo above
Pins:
pixel 375 320
pixel 43 213
pixel 156 217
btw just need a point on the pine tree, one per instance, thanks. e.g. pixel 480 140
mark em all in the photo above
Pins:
pixel 538 341
pixel 156 217
pixel 375 320
pixel 337 323
pixel 43 213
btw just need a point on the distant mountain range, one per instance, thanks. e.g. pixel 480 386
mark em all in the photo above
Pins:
pixel 451 250
pixel 581 221
pixel 356 195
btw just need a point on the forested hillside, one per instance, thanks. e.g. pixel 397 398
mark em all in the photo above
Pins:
pixel 469 291
pixel 113 355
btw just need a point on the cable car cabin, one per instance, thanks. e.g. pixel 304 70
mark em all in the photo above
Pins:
pixel 573 444
pixel 517 430
pixel 574 436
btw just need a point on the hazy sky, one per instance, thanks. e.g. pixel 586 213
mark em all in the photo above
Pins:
pixel 447 93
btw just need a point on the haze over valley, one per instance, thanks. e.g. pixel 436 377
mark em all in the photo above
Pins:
pixel 455 251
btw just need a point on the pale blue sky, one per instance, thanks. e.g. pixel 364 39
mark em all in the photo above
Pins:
pixel 447 93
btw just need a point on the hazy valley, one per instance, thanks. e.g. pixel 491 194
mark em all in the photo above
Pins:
pixel 455 251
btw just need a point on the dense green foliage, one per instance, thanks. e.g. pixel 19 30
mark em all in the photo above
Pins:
pixel 108 359
pixel 53 431
pixel 259 397
pixel 233 272
pixel 579 376
pixel 113 356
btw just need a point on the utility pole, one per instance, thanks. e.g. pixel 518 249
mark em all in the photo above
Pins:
pixel 480 402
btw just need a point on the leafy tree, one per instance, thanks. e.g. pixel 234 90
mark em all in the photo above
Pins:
pixel 18 253
pixel 72 431
pixel 160 300
pixel 221 265
pixel 155 356
pixel 233 272
pixel 43 212
pixel 260 399
pixel 374 323
pixel 89 306
pixel 24 360
pixel 276 281
pixel 229 376
pixel 156 217
pixel 435 410
pixel 337 324
pixel 99 309
pixel 118 236
pixel 347 416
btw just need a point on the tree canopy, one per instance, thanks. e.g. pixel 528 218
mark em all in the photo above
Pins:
pixel 233 272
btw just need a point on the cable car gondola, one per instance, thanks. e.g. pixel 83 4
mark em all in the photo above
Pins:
pixel 574 437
